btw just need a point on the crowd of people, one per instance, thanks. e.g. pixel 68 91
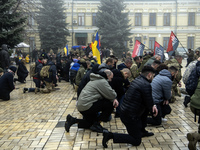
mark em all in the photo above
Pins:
pixel 139 90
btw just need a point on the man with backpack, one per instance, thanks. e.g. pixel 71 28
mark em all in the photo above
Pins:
pixel 35 69
pixel 49 76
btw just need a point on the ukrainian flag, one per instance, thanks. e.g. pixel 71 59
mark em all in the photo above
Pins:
pixel 66 50
pixel 96 49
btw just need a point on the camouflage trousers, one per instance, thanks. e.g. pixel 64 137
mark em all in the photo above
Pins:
pixel 48 87
pixel 175 91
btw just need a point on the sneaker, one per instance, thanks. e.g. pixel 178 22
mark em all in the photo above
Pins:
pixel 96 127
pixel 106 137
pixel 164 119
pixel 69 122
pixel 147 134
pixel 186 101
pixel 25 89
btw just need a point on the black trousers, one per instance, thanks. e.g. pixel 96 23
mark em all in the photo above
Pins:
pixel 134 128
pixel 92 115
pixel 163 110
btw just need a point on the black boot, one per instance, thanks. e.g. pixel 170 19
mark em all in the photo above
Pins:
pixel 69 122
pixel 96 127
pixel 106 137
pixel 147 134
pixel 25 89
pixel 186 101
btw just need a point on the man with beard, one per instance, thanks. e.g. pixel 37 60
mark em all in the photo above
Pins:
pixel 138 102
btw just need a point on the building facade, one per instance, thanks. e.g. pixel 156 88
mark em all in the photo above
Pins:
pixel 151 20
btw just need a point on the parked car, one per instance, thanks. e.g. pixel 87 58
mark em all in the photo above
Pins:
pixel 181 51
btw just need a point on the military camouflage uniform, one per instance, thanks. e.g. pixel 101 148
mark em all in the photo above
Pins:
pixel 134 72
pixel 175 90
pixel 195 55
pixel 145 59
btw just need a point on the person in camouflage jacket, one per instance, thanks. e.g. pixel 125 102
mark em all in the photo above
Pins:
pixel 176 62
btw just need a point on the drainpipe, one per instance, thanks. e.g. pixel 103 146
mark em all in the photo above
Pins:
pixel 72 22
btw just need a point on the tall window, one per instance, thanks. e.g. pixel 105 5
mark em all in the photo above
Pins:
pixel 94 19
pixel 166 19
pixel 165 42
pixel 138 19
pixel 190 42
pixel 138 38
pixel 81 19
pixel 152 19
pixel 152 42
pixel 191 19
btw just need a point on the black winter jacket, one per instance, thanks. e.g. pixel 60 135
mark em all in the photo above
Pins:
pixel 118 83
pixel 38 68
pixel 22 70
pixel 6 83
pixel 4 58
pixel 138 98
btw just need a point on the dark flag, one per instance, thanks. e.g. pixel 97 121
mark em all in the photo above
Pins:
pixel 138 49
pixel 173 44
pixel 159 50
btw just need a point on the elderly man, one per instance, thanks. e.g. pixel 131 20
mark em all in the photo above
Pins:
pixel 97 96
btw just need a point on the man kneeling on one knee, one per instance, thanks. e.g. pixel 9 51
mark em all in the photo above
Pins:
pixel 97 96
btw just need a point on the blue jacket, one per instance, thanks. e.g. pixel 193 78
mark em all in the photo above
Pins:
pixel 75 66
pixel 161 86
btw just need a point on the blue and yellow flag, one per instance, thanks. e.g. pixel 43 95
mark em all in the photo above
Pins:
pixel 96 49
pixel 66 50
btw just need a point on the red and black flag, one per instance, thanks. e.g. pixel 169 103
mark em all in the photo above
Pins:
pixel 173 44
pixel 138 49
pixel 159 50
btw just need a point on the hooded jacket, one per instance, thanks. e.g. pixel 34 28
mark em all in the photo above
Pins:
pixel 161 86
pixel 4 57
pixel 97 89
pixel 22 71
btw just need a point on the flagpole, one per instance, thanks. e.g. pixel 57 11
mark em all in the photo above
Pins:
pixel 181 44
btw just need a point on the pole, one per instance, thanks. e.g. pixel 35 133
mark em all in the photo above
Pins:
pixel 72 22
pixel 176 17
pixel 183 47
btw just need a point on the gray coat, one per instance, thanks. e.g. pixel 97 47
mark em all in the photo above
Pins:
pixel 98 88
pixel 161 86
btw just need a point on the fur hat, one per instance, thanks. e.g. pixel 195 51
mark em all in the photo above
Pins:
pixel 13 68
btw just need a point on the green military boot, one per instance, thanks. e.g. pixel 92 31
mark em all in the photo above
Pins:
pixel 193 138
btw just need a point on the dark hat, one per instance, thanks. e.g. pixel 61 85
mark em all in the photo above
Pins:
pixel 13 68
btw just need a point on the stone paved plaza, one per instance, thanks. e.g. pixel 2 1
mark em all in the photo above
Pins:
pixel 36 121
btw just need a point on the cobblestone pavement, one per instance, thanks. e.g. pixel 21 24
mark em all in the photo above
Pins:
pixel 36 121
